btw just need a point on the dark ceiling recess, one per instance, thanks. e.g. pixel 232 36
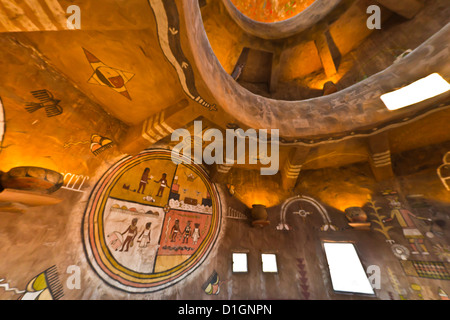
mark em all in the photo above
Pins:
pixel 253 70
pixel 240 64
pixel 335 53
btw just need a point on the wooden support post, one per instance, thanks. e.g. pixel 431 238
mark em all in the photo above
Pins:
pixel 405 8
pixel 219 172
pixel 380 157
pixel 157 127
pixel 329 55
pixel 292 167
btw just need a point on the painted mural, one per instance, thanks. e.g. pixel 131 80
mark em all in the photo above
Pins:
pixel 444 171
pixel 296 203
pixel 303 278
pixel 150 222
pixel 212 285
pixel 107 76
pixel 44 286
pixel 2 125
pixel 46 101
pixel 271 10
pixel 168 23
pixel 98 144
pixel 407 226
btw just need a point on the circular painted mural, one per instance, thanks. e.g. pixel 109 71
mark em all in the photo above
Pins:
pixel 269 11
pixel 150 222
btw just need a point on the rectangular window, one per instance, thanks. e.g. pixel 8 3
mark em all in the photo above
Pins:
pixel 346 271
pixel 423 89
pixel 269 262
pixel 240 262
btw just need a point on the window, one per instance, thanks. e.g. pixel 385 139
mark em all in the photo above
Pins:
pixel 240 262
pixel 346 271
pixel 423 89
pixel 269 262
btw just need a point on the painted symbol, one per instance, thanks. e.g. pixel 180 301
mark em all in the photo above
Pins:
pixel 45 286
pixel 98 144
pixel 442 294
pixel 107 76
pixel 47 101
pixel 302 213
pixel 400 251
pixel 212 285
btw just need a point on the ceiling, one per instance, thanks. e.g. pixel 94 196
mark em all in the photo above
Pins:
pixel 139 69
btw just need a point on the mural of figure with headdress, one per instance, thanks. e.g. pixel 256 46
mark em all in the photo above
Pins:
pixel 406 220
pixel 144 237
pixel 196 233
pixel 163 185
pixel 131 234
pixel 175 230
pixel 187 232
pixel 144 180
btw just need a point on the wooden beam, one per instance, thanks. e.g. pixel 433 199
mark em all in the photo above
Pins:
pixel 380 157
pixel 405 8
pixel 292 167
pixel 219 172
pixel 157 127
pixel 325 50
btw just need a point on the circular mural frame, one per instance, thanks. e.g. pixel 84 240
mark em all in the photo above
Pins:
pixel 156 265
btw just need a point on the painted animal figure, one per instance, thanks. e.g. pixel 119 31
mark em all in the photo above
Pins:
pixel 47 101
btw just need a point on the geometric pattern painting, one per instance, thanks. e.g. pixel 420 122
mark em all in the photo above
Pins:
pixel 104 75
pixel 426 269
pixel 150 222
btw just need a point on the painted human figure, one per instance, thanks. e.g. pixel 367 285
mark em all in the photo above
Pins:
pixel 163 185
pixel 187 232
pixel 410 231
pixel 144 180
pixel 196 233
pixel 131 234
pixel 175 230
pixel 144 237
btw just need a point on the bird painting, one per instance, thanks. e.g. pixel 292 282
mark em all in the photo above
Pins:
pixel 47 101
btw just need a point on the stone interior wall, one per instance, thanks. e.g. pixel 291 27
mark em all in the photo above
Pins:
pixel 43 237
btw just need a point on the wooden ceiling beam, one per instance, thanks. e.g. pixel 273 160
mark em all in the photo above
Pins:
pixel 290 171
pixel 380 157
pixel 157 127
pixel 406 8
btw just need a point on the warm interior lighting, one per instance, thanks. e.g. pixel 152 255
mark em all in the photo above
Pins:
pixel 346 271
pixel 418 91
pixel 240 262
